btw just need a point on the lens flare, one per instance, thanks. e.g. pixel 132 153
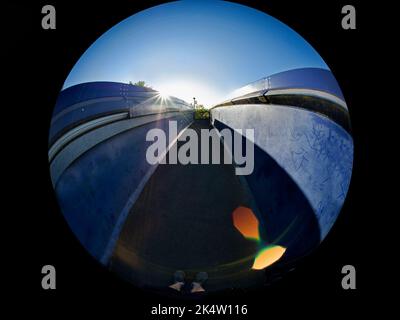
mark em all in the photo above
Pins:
pixel 246 222
pixel 268 256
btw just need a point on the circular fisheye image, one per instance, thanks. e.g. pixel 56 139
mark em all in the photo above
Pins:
pixel 200 146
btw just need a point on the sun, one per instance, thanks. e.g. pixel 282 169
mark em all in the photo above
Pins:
pixel 187 88
pixel 163 94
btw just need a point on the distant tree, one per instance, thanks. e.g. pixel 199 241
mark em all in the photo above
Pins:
pixel 201 112
pixel 140 83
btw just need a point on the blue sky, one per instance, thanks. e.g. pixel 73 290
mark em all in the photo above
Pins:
pixel 202 49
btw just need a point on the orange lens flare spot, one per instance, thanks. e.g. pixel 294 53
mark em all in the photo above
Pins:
pixel 246 222
pixel 268 256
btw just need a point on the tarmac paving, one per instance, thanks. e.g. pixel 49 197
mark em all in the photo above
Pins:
pixel 182 220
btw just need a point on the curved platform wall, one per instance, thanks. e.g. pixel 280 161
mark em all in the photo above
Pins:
pixel 98 174
pixel 313 150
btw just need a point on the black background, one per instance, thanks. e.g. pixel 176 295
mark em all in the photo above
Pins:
pixel 39 61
